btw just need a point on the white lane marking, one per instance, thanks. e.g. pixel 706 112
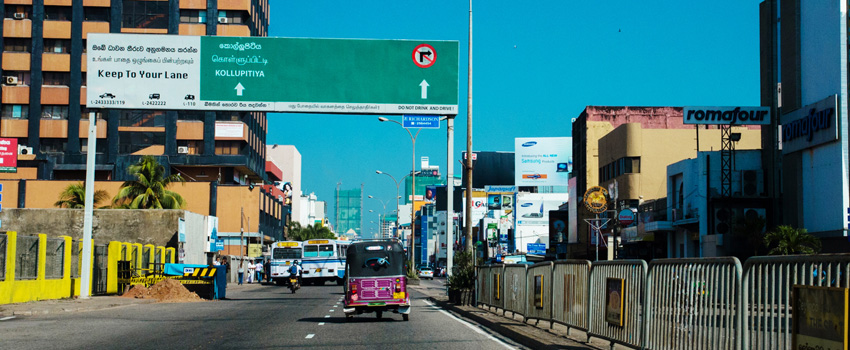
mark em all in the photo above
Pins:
pixel 321 323
pixel 330 310
pixel 474 328
pixel 7 318
pixel 327 316
pixel 310 336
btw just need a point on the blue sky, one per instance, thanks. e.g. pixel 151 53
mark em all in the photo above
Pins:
pixel 536 65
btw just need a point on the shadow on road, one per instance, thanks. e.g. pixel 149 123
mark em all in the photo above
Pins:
pixel 365 318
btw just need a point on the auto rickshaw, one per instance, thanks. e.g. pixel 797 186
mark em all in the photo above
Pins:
pixel 375 280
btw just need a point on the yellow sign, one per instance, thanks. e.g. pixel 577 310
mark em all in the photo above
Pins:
pixel 255 250
pixel 318 241
pixel 287 244
pixel 615 301
pixel 820 317
pixel 399 295
pixel 596 199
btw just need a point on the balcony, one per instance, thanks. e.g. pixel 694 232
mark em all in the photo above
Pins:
pixel 56 62
pixel 57 29
pixel 19 95
pixel 19 61
pixel 233 30
pixel 94 27
pixel 17 28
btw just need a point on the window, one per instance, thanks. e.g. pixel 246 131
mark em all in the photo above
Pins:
pixel 96 14
pixel 134 141
pixel 326 250
pixel 229 116
pixel 83 79
pixel 286 253
pixel 57 78
pixel 193 16
pixel 57 13
pixel 195 146
pixel 143 118
pixel 145 14
pixel 311 251
pixel 84 113
pixel 18 11
pixel 190 115
pixel 57 45
pixel 235 17
pixel 227 147
pixel 16 111
pixel 22 76
pixel 53 145
pixel 54 112
pixel 17 44
pixel 84 145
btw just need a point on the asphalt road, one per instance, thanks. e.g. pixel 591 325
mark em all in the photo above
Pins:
pixel 255 317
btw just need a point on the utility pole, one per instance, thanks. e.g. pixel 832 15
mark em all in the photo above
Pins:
pixel 450 183
pixel 468 217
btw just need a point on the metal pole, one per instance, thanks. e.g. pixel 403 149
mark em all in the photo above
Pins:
pixel 450 126
pixel 85 274
pixel 412 198
pixel 596 233
pixel 468 218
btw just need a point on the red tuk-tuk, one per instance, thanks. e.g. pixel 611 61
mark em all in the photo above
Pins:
pixel 375 280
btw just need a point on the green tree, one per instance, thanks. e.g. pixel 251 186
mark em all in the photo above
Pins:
pixel 786 240
pixel 150 189
pixel 74 197
pixel 299 233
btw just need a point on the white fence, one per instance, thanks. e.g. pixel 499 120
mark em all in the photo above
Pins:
pixel 695 303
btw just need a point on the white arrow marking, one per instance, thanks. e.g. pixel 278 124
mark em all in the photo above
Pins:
pixel 239 88
pixel 310 336
pixel 424 85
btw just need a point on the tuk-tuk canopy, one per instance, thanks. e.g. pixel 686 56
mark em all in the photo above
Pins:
pixel 375 259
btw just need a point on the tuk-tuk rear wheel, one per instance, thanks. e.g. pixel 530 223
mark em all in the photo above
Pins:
pixel 379 314
pixel 405 317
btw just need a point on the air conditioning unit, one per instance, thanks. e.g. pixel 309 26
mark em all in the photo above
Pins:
pixel 752 183
pixel 23 149
pixel 754 213
pixel 19 15
pixel 10 80
pixel 182 149
pixel 223 20
pixel 724 219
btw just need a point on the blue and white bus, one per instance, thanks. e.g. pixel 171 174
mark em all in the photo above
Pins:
pixel 283 254
pixel 323 260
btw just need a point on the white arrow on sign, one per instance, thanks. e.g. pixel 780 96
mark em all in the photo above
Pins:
pixel 424 85
pixel 239 88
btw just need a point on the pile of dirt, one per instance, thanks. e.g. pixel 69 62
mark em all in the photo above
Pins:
pixel 166 291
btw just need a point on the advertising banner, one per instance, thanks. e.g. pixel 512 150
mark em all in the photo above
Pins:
pixel 8 155
pixel 479 206
pixel 735 115
pixel 810 126
pixel 543 161
pixel 822 322
pixel 532 216
pixel 212 233
pixel 430 194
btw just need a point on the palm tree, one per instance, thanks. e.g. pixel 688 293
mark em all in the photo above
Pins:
pixel 293 231
pixel 298 233
pixel 74 197
pixel 149 190
pixel 751 229
pixel 786 240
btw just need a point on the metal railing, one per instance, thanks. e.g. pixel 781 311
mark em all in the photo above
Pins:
pixel 766 299
pixel 616 301
pixel 26 258
pixel 539 291
pixel 570 293
pixel 515 289
pixel 54 258
pixel 3 245
pixel 692 303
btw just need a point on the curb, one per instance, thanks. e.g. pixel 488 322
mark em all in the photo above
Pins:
pixel 518 337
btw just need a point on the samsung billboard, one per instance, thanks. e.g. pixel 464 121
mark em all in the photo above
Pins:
pixel 543 161
pixel 713 115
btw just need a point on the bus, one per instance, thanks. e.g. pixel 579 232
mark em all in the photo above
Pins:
pixel 283 254
pixel 324 260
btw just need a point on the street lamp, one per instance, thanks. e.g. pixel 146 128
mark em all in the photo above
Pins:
pixel 396 192
pixel 413 186
pixel 384 204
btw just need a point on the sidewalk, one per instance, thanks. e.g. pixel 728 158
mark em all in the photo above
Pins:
pixel 47 307
pixel 526 334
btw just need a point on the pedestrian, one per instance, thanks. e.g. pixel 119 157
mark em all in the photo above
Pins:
pixel 268 270
pixel 241 271
pixel 259 269
pixel 249 278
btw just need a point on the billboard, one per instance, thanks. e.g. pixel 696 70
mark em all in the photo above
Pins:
pixel 713 115
pixel 479 206
pixel 149 71
pixel 8 155
pixel 543 161
pixel 532 216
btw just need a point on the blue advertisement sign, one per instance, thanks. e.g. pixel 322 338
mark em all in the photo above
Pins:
pixel 537 248
pixel 219 245
pixel 421 121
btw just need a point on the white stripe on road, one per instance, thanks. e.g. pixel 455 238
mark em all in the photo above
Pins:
pixel 331 310
pixel 321 323
pixel 7 318
pixel 474 328
pixel 310 336
pixel 327 316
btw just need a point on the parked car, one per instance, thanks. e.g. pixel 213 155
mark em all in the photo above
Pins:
pixel 426 272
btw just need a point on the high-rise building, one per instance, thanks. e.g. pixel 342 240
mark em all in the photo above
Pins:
pixel 44 87
pixel 349 210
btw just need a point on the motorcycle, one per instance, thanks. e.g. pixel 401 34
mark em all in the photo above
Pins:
pixel 293 284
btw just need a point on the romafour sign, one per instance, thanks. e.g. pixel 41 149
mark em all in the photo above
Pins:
pixel 727 115
pixel 810 126
pixel 349 76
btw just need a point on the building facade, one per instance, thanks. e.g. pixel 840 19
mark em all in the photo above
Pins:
pixel 44 87
pixel 804 77
pixel 349 211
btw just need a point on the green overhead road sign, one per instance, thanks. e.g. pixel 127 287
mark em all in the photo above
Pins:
pixel 351 76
